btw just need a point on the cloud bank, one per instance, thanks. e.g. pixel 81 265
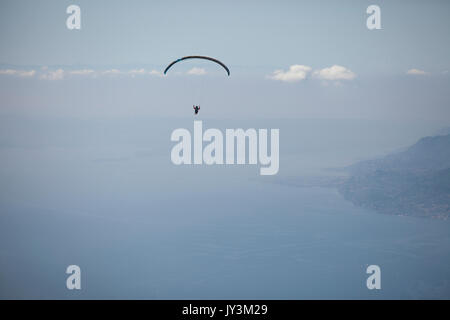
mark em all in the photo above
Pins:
pixel 334 72
pixel 53 75
pixel 18 73
pixel 59 74
pixel 295 73
pixel 196 71
pixel 84 72
pixel 416 72
pixel 299 72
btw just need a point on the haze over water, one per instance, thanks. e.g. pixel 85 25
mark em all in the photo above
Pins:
pixel 111 201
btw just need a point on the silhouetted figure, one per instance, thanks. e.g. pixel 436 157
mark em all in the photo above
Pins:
pixel 196 108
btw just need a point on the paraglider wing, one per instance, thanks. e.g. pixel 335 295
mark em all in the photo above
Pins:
pixel 197 57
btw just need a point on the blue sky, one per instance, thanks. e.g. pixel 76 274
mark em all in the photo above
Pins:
pixel 111 65
pixel 242 33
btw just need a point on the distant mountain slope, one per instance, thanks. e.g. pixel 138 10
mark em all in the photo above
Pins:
pixel 414 182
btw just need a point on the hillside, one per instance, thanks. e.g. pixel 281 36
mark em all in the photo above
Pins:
pixel 415 182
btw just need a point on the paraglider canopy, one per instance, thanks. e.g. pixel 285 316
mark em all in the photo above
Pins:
pixel 197 57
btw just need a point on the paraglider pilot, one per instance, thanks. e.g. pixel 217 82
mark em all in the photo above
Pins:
pixel 196 108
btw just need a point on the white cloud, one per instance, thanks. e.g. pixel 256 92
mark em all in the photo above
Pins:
pixel 334 72
pixel 8 72
pixel 111 72
pixel 45 73
pixel 27 74
pixel 296 72
pixel 83 72
pixel 416 72
pixel 19 73
pixel 137 72
pixel 156 73
pixel 53 75
pixel 197 71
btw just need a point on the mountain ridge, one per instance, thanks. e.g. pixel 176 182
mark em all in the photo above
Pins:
pixel 414 182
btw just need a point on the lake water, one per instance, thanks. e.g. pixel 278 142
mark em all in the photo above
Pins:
pixel 140 227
